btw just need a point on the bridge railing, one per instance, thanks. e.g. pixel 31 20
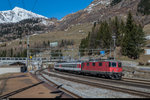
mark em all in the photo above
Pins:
pixel 21 58
pixel 13 58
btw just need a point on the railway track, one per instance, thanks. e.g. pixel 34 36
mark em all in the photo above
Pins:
pixel 62 89
pixel 100 85
pixel 126 81
pixel 137 80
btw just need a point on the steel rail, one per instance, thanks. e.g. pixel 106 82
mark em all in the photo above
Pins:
pixel 137 80
pixel 62 89
pixel 101 85
pixel 124 82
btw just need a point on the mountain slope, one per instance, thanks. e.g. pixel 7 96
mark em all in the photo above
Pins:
pixel 16 15
pixel 97 11
pixel 19 22
pixel 100 10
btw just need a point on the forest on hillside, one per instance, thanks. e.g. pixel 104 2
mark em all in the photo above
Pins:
pixel 11 31
pixel 129 36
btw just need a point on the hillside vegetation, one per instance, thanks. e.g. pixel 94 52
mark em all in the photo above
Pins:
pixel 144 7
pixel 129 36
pixel 11 31
pixel 68 38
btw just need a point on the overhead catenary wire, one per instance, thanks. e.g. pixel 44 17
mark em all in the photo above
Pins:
pixel 23 3
pixel 9 4
pixel 34 5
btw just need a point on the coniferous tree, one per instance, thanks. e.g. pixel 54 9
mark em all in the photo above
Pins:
pixel 129 36
pixel 116 31
pixel 106 35
pixel 133 39
pixel 44 44
pixel 11 52
pixel 91 38
pixel 24 53
pixel 4 53
pixel 99 41
pixel 121 32
pixel 84 44
pixel 48 43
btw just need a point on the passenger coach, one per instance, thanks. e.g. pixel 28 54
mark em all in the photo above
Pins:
pixel 69 66
pixel 106 68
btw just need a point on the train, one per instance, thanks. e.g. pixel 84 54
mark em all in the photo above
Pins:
pixel 104 68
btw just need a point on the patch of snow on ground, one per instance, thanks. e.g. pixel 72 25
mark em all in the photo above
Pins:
pixel 91 6
pixel 148 37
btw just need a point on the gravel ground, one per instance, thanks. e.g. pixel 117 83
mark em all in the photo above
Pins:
pixel 136 73
pixel 122 86
pixel 39 91
pixel 135 65
pixel 0 85
pixel 88 91
pixel 129 63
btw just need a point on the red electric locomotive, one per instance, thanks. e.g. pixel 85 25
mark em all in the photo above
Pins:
pixel 106 68
pixel 110 69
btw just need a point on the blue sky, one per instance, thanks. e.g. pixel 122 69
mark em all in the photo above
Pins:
pixel 48 8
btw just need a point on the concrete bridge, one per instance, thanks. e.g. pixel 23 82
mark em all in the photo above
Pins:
pixel 11 60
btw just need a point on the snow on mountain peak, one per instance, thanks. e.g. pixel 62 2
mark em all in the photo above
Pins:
pixel 18 8
pixel 95 3
pixel 17 14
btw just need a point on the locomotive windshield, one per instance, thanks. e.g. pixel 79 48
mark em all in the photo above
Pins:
pixel 100 64
pixel 93 64
pixel 113 64
pixel 109 64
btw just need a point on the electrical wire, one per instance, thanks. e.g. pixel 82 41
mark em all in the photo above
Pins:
pixel 34 5
pixel 23 4
pixel 10 4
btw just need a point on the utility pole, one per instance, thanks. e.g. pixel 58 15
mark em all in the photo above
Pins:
pixel 114 37
pixel 72 54
pixel 110 49
pixel 79 55
pixel 28 49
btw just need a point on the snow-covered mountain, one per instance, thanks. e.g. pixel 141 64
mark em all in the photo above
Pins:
pixel 17 14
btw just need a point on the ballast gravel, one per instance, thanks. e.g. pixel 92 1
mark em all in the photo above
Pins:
pixel 112 84
pixel 86 91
